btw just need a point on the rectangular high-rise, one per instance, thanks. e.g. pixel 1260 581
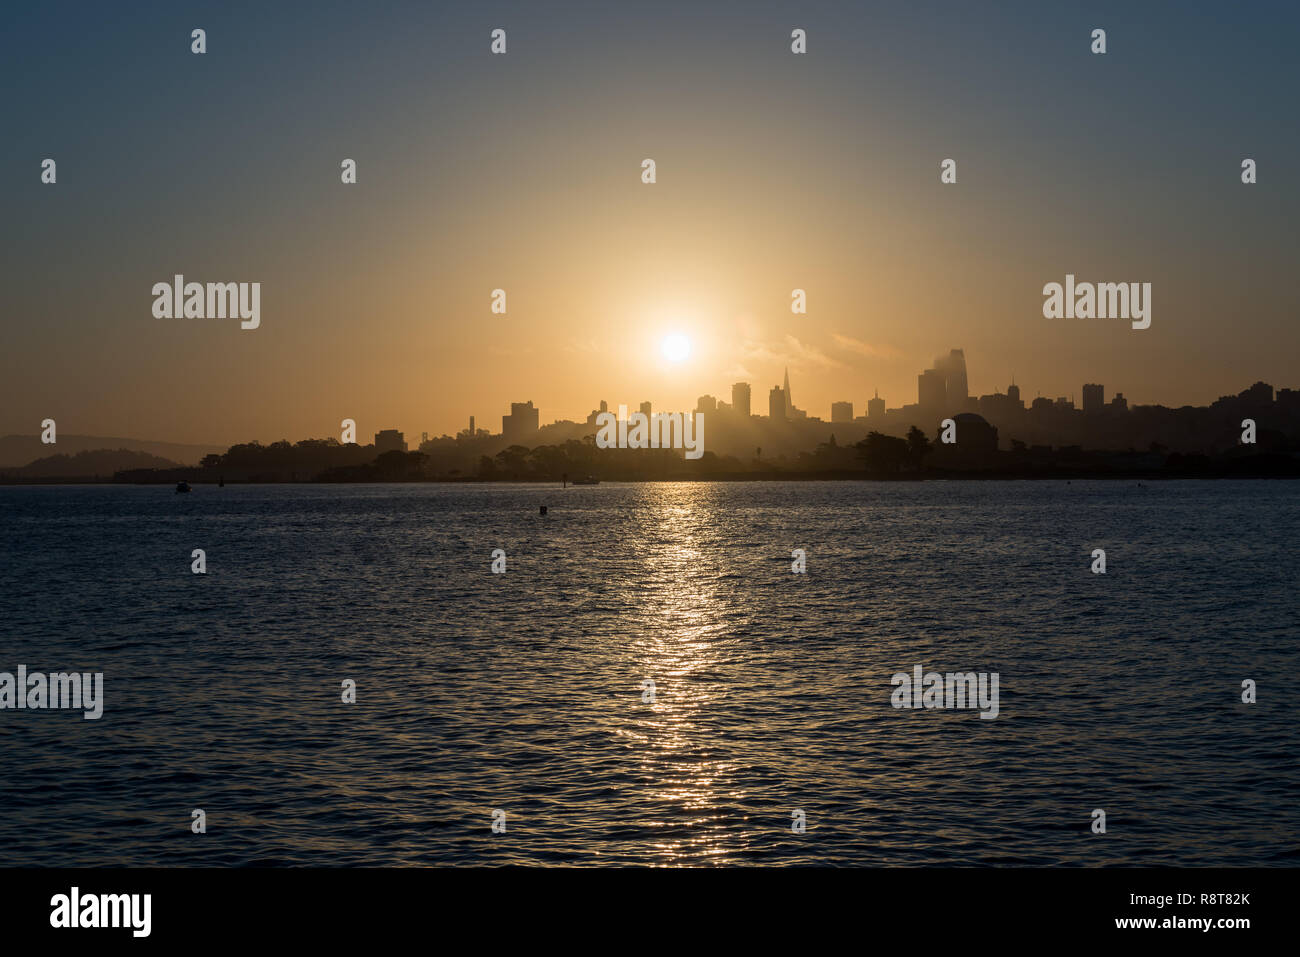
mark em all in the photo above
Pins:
pixel 740 399
pixel 841 412
pixel 776 404
pixel 389 440
pixel 1094 398
pixel 521 423
pixel 932 390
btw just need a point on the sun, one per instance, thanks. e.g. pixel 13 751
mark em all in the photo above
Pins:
pixel 676 348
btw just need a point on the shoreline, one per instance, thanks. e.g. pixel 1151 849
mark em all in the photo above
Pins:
pixel 1154 476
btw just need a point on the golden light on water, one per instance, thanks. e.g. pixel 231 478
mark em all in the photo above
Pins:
pixel 683 647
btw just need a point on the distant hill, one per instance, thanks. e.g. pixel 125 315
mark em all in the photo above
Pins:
pixel 101 462
pixel 20 450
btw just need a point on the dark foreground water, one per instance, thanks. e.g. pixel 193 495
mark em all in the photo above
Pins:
pixel 522 692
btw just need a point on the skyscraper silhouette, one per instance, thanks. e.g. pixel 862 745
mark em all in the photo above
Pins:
pixel 944 387
pixel 931 390
pixel 776 404
pixel 1094 398
pixel 954 370
pixel 740 399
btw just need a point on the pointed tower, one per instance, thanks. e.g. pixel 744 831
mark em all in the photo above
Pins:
pixel 789 402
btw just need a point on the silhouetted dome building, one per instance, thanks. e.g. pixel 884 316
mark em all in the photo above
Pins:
pixel 974 434
pixel 976 446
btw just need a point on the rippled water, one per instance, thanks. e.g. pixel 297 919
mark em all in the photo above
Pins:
pixel 523 691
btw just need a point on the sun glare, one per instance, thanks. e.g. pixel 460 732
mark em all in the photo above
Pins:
pixel 676 348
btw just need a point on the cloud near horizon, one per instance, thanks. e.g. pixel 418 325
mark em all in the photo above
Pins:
pixel 870 350
pixel 791 351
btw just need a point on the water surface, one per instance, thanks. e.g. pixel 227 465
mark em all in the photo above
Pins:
pixel 523 691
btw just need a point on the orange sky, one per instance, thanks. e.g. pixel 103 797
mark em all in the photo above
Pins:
pixel 523 172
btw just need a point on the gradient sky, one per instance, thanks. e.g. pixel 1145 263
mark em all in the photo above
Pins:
pixel 522 171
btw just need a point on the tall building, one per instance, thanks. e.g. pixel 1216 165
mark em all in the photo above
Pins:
pixel 944 387
pixel 876 407
pixel 645 409
pixel 791 410
pixel 953 367
pixel 1094 398
pixel 776 403
pixel 740 399
pixel 932 390
pixel 472 433
pixel 841 411
pixel 389 440
pixel 521 424
pixel 1013 394
pixel 706 403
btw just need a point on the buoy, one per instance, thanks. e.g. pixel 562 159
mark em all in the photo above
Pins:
pixel 543 509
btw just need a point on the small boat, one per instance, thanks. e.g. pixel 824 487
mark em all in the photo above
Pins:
pixel 182 486
pixel 588 480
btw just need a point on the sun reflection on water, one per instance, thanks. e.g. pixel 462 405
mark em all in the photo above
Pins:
pixel 684 642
